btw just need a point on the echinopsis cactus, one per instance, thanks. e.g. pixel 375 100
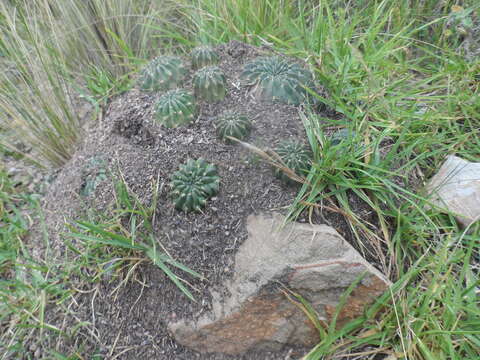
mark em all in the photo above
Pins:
pixel 232 124
pixel 162 73
pixel 193 184
pixel 274 78
pixel 342 135
pixel 175 108
pixel 295 156
pixel 209 83
pixel 203 56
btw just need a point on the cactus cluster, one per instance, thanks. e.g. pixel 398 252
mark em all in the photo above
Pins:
pixel 175 107
pixel 295 156
pixel 274 78
pixel 163 73
pixel 166 73
pixel 193 184
pixel 203 56
pixel 232 124
pixel 209 84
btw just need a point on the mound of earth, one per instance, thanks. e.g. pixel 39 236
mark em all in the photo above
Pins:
pixel 127 141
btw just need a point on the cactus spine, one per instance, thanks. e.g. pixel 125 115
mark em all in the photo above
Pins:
pixel 232 124
pixel 295 156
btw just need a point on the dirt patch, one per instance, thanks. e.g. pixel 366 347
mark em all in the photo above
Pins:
pixel 129 142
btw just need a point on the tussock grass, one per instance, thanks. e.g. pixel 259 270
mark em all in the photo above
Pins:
pixel 35 99
pixel 129 230
pixel 27 285
pixel 50 50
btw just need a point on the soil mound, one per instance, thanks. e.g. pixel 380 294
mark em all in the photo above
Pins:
pixel 127 141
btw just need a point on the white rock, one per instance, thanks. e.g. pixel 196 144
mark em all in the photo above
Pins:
pixel 456 188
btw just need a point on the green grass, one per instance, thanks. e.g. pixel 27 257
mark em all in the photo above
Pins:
pixel 392 68
pixel 27 285
pixel 14 224
pixel 130 233
pixel 110 245
pixel 53 54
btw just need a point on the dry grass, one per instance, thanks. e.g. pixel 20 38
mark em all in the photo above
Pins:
pixel 49 53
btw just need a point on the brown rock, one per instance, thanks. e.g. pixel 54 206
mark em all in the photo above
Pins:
pixel 313 261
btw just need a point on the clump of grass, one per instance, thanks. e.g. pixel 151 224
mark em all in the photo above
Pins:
pixel 431 311
pixel 35 100
pixel 27 286
pixel 130 233
pixel 48 51
pixel 213 21
pixel 13 224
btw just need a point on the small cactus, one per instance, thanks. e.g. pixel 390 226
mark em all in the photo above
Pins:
pixel 276 79
pixel 232 124
pixel 209 83
pixel 162 73
pixel 175 108
pixel 295 156
pixel 342 135
pixel 203 56
pixel 349 142
pixel 193 184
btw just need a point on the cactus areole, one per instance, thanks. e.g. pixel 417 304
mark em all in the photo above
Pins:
pixel 203 56
pixel 296 157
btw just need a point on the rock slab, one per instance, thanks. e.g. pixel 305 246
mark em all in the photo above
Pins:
pixel 313 261
pixel 456 188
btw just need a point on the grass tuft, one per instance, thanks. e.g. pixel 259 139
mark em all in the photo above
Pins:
pixel 130 231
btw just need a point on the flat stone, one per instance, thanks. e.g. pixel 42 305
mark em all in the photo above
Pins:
pixel 456 188
pixel 313 261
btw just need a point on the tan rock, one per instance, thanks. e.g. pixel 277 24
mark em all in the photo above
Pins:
pixel 313 261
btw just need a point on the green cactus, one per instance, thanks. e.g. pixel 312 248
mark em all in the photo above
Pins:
pixel 175 108
pixel 95 172
pixel 342 135
pixel 209 83
pixel 232 124
pixel 276 79
pixel 193 184
pixel 162 73
pixel 348 142
pixel 203 56
pixel 295 156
